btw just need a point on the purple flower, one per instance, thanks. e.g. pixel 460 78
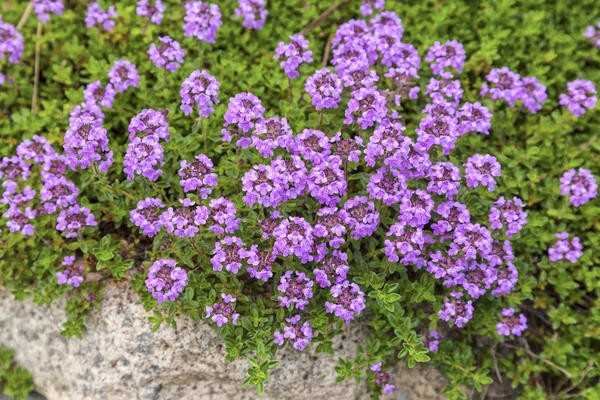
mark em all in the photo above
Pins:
pixel 72 275
pixel 473 117
pixel 579 97
pixel 19 220
pixel 43 8
pixel 312 145
pixel 260 264
pixel 184 221
pixel 476 279
pixel 329 227
pixel 53 165
pixel 405 244
pixel 293 176
pixel 481 170
pixel 444 179
pixel 470 240
pixel 565 248
pixel 270 134
pixel 123 75
pixel 201 90
pixel 360 216
pixel 268 225
pixel 147 216
pixel 295 289
pixel 357 76
pixel 149 123
pixel 382 379
pixel 405 86
pixel 444 90
pixel 415 208
pixel 592 33
pixel 151 9
pixel 166 280
pixel 533 94
pixel 229 253
pixel 388 185
pixel 144 157
pixel 368 7
pixel 97 95
pixel 57 193
pixel 73 219
pixel 366 107
pixel 579 185
pixel 198 175
pixel 402 57
pixel 168 54
pixel 387 138
pixel 432 341
pixel 508 214
pixel 347 301
pixel 299 334
pixel 501 253
pixel 223 219
pixel 327 181
pixel 456 311
pixel 445 267
pixel 253 12
pixel 96 15
pixel 350 55
pixel 223 312
pixel 442 57
pixel 452 214
pixel 332 269
pixel 15 195
pixel 261 185
pixel 324 89
pixel 348 150
pixel 11 43
pixel 294 236
pixel 506 279
pixel 440 130
pixel 503 84
pixel 36 150
pixel 511 323
pixel 202 21
pixel 243 112
pixel 293 55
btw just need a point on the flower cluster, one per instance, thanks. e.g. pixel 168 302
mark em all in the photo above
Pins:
pixel 11 43
pixel 592 33
pixel 197 176
pixel 123 75
pixel 579 185
pixel 72 275
pixel 153 10
pixel 293 55
pixel 579 97
pixel 382 379
pixel 295 290
pixel 565 248
pixel 253 13
pixel 508 86
pixel 299 334
pixel 146 215
pixel 145 154
pixel 223 312
pixel 167 54
pixel 508 214
pixel 97 16
pixel 442 57
pixel 201 90
pixel 98 95
pixel 511 323
pixel 43 8
pixel 166 280
pixel 324 89
pixel 202 21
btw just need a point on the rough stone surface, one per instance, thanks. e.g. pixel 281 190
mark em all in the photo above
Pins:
pixel 119 358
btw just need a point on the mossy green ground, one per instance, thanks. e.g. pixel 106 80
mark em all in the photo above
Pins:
pixel 559 356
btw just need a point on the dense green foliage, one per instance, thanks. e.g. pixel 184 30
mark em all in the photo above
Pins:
pixel 559 355
pixel 15 381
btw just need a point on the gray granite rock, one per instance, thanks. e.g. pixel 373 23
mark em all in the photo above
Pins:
pixel 119 358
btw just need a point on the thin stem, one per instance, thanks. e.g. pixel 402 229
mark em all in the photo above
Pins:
pixel 542 359
pixel 290 96
pixel 320 119
pixel 323 17
pixel 327 50
pixel 38 48
pixel 25 15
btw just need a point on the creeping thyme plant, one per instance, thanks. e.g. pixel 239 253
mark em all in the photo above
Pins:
pixel 285 170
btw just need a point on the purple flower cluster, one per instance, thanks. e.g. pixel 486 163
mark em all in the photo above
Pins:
pixel 72 220
pixel 97 16
pixel 565 248
pixel 324 89
pixel 382 379
pixel 184 221
pixel 123 75
pixel 482 170
pixel 433 341
pixel 443 58
pixel 223 312
pixel 153 10
pixel 230 253
pixel 202 21
pixel 243 112
pixel 511 323
pixel 346 302
pixel 147 215
pixel 11 43
pixel 579 97
pixel 508 86
pixel 298 333
pixel 293 55
pixel 198 176
pixel 72 275
pixel 201 90
pixel 43 8
pixel 253 13
pixel 145 155
pixel 368 7
pixel 508 214
pixel 456 310
pixel 295 290
pixel 97 95
pixel 592 33
pixel 579 185
pixel 166 280
pixel 167 54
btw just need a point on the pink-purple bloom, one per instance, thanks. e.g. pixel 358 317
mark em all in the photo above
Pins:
pixel 200 90
pixel 198 176
pixel 360 216
pixel 123 75
pixel 253 13
pixel 298 333
pixel 153 10
pixel 446 59
pixel 566 248
pixel 43 8
pixel 73 219
pixel 382 378
pixel 166 281
pixel 167 54
pixel 295 290
pixel 324 89
pixel 202 21
pixel 146 216
pixel 482 170
pixel 97 16
pixel 347 300
pixel 293 55
pixel 72 275
pixel 11 43
pixel 511 323
pixel 579 185
pixel 223 312
pixel 579 97
pixel 508 214
pixel 456 310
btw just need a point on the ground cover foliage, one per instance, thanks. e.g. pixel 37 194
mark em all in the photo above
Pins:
pixel 556 357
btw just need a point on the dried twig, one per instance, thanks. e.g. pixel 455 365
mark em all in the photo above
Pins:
pixel 323 16
pixel 542 359
pixel 38 48
pixel 25 15
pixel 327 49
pixel 495 361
